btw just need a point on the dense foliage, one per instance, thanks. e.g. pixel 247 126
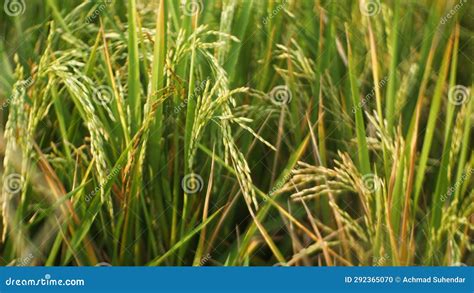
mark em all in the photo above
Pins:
pixel 237 132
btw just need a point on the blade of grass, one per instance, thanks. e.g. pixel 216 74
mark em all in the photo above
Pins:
pixel 363 151
pixel 134 85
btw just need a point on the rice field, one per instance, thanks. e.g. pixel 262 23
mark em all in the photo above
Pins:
pixel 237 133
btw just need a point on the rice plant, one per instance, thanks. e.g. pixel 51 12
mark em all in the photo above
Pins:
pixel 237 132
